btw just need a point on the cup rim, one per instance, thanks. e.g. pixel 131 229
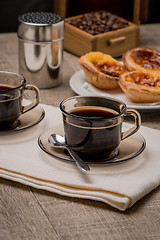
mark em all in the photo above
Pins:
pixel 93 118
pixel 15 74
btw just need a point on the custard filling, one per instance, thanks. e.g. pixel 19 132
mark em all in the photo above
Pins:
pixel 146 59
pixel 112 70
pixel 143 79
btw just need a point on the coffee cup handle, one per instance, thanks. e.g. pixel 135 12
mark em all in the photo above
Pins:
pixel 35 102
pixel 134 129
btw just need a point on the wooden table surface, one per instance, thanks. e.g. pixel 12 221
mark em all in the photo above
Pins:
pixel 28 213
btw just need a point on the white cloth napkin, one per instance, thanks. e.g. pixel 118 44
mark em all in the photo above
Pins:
pixel 120 186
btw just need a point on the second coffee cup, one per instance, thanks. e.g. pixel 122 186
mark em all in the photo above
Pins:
pixel 12 88
pixel 93 125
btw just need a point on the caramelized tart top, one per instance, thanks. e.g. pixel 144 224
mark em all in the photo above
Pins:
pixel 142 59
pixel 147 58
pixel 143 79
pixel 113 70
pixel 105 63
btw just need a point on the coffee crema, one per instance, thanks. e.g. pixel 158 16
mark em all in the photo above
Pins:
pixel 5 87
pixel 94 112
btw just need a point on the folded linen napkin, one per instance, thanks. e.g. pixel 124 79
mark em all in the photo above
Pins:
pixel 120 185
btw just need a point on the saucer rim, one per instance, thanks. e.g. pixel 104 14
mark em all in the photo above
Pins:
pixel 112 161
pixel 32 124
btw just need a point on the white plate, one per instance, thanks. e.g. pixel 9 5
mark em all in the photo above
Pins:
pixel 80 85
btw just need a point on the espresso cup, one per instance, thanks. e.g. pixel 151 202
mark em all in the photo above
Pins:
pixel 93 125
pixel 12 88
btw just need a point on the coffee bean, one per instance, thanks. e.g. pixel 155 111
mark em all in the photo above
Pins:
pixel 98 22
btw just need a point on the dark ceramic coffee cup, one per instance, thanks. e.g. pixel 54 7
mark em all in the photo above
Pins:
pixel 12 88
pixel 93 125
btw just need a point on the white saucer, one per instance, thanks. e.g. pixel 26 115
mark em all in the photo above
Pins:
pixel 128 149
pixel 29 119
pixel 80 85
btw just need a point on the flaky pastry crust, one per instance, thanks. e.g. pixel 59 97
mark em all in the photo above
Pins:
pixel 101 70
pixel 140 87
pixel 142 59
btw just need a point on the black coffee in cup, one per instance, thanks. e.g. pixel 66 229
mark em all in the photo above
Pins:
pixel 94 140
pixel 93 125
pixel 94 112
pixel 12 88
pixel 10 106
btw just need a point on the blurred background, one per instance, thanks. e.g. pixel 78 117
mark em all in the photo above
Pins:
pixel 137 11
pixel 11 9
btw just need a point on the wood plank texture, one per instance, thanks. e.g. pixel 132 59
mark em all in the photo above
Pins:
pixel 21 215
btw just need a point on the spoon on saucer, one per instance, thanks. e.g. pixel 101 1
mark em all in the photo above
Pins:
pixel 59 142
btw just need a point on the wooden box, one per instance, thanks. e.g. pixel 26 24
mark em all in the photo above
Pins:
pixel 114 43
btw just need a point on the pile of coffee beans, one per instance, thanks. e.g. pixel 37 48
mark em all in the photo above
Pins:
pixel 98 22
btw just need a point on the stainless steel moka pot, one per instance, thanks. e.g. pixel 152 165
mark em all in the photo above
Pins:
pixel 40 42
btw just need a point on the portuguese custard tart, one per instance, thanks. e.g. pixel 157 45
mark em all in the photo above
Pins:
pixel 140 87
pixel 142 59
pixel 101 70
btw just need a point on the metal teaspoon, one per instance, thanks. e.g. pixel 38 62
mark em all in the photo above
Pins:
pixel 59 142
